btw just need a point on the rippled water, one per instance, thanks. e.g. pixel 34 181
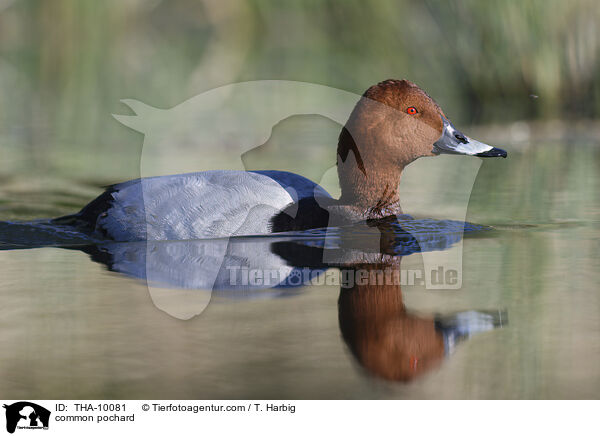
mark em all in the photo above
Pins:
pixel 82 322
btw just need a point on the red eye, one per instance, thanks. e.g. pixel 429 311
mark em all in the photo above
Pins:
pixel 412 110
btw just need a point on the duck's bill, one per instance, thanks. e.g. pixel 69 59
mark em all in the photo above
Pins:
pixel 453 141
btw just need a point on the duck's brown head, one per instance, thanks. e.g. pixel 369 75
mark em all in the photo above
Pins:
pixel 394 123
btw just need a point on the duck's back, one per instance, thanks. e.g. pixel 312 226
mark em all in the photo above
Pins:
pixel 209 204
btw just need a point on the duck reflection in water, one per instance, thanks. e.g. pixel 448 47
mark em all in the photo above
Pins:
pixel 383 335
pixel 391 342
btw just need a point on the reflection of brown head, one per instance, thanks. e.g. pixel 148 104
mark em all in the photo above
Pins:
pixel 383 337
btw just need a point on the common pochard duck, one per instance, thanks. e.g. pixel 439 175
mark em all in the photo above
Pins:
pixel 394 123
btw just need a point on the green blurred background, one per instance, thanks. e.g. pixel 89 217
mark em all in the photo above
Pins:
pixel 65 64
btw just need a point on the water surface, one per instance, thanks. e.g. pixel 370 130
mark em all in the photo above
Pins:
pixel 71 328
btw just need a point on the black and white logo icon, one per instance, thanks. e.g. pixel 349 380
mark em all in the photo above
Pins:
pixel 26 415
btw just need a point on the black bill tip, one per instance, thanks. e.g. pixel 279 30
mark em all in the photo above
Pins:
pixel 494 152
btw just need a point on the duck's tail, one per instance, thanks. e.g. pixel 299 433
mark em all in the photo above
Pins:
pixel 85 219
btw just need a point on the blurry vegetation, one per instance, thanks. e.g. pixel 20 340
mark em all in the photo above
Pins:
pixel 65 64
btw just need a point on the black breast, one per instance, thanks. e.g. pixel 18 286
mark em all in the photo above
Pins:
pixel 303 215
